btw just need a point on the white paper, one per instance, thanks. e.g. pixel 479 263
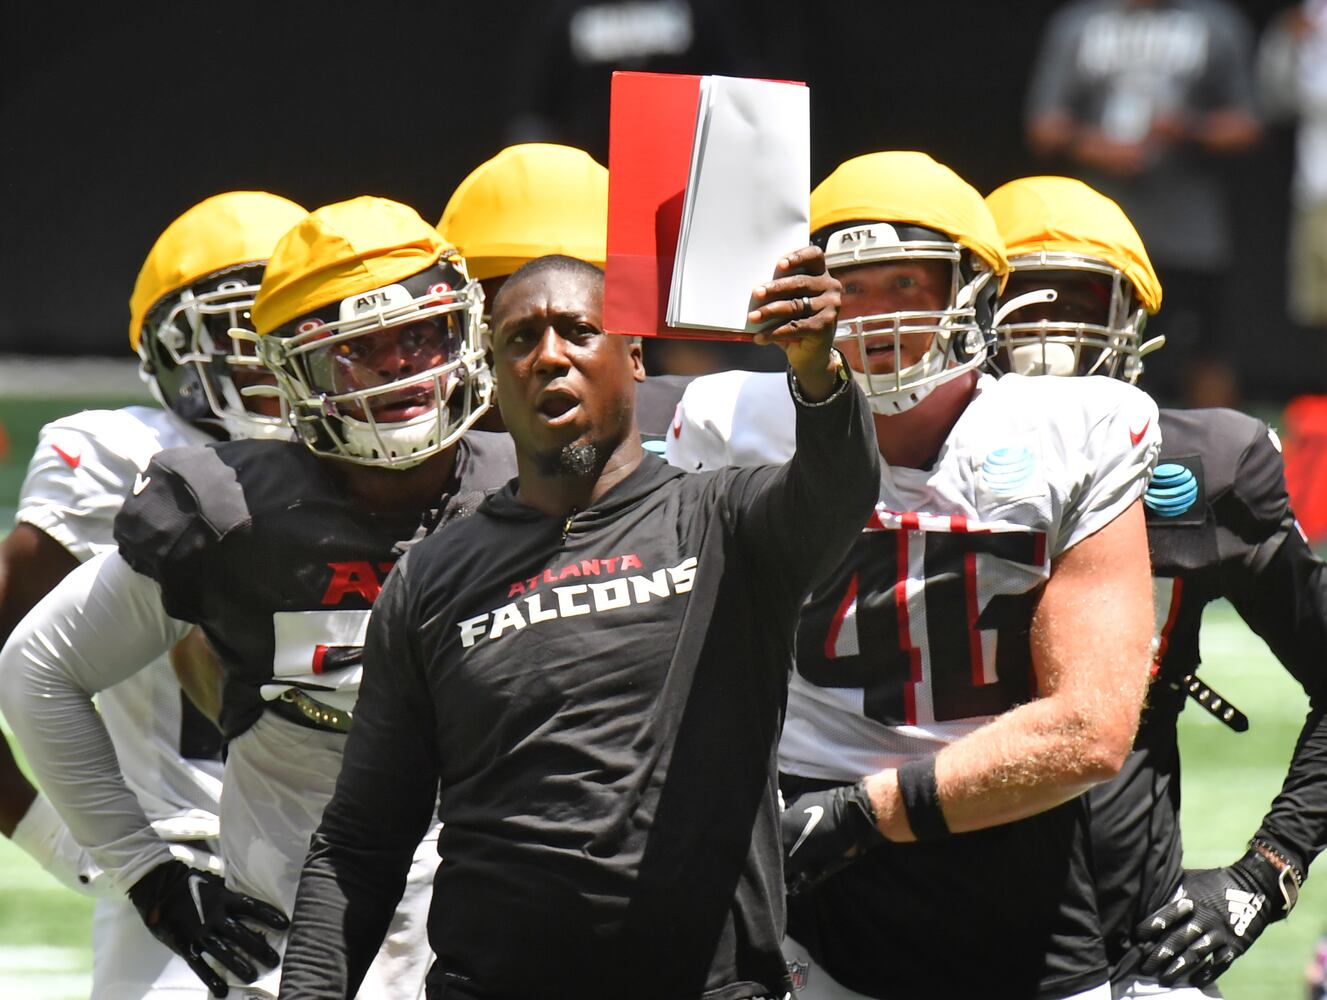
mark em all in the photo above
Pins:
pixel 747 199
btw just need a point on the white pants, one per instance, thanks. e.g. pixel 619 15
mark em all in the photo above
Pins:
pixel 128 963
pixel 1138 988
pixel 811 982
pixel 279 778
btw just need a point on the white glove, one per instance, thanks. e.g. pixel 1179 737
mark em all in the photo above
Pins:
pixel 43 835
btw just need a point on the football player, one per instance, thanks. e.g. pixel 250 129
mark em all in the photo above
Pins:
pixel 276 550
pixel 535 199
pixel 1219 524
pixel 980 658
pixel 198 281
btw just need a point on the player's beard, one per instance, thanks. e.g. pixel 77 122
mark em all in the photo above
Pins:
pixel 579 459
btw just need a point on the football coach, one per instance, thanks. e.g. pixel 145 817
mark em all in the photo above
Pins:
pixel 587 677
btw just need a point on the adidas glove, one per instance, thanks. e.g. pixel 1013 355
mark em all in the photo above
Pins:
pixel 824 832
pixel 193 914
pixel 1216 915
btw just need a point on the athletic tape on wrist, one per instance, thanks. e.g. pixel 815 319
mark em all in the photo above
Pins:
pixel 921 799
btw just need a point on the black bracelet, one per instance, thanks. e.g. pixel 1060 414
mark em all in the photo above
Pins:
pixel 921 799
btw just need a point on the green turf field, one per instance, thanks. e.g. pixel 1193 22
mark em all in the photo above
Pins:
pixel 1229 779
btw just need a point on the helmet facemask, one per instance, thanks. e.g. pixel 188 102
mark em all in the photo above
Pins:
pixel 1113 347
pixel 193 364
pixel 387 377
pixel 957 338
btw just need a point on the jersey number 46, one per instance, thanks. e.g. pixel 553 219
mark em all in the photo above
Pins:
pixel 932 626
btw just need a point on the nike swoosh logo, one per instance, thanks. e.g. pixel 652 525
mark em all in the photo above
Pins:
pixel 70 460
pixel 140 483
pixel 194 882
pixel 815 812
pixel 1136 436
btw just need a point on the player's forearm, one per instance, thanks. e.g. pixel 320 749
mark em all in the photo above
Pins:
pixel 1030 759
pixel 1297 819
pixel 90 632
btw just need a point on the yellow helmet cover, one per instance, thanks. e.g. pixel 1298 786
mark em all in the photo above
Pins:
pixel 909 187
pixel 226 230
pixel 1063 215
pixel 527 201
pixel 341 250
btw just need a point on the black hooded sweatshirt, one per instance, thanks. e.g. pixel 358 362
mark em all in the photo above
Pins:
pixel 594 702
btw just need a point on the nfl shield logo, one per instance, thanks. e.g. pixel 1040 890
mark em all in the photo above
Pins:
pixel 797 972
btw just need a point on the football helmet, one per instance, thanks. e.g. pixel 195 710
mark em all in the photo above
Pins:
pixel 1064 235
pixel 198 283
pixel 528 201
pixel 372 327
pixel 903 206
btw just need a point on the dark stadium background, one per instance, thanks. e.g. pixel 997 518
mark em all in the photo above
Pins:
pixel 116 117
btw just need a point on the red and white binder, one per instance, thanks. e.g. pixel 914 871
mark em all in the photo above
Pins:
pixel 709 181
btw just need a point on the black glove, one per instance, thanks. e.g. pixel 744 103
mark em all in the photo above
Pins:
pixel 824 832
pixel 1215 917
pixel 193 914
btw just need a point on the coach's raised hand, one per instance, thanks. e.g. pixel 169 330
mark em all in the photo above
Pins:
pixel 801 302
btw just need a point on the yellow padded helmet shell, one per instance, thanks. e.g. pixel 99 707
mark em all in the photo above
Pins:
pixel 530 200
pixel 909 187
pixel 226 230
pixel 1063 215
pixel 341 250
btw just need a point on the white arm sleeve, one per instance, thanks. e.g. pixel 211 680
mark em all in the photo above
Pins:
pixel 101 624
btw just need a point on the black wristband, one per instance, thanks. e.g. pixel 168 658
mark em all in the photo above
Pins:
pixel 921 799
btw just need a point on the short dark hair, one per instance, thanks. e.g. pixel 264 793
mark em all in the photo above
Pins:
pixel 550 262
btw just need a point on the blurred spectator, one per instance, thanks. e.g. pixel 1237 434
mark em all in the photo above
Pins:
pixel 1140 96
pixel 1292 77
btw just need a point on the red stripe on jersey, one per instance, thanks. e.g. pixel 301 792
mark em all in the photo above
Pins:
pixel 836 625
pixel 904 635
pixel 910 521
pixel 974 612
pixel 958 523
pixel 1163 640
pixel 319 652
pixel 1039 554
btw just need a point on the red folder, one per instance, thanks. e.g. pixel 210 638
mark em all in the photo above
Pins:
pixel 652 123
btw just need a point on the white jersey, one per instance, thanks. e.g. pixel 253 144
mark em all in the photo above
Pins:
pixel 84 466
pixel 921 635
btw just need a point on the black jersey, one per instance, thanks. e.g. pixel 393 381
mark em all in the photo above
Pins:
pixel 598 699
pixel 257 543
pixel 1219 524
